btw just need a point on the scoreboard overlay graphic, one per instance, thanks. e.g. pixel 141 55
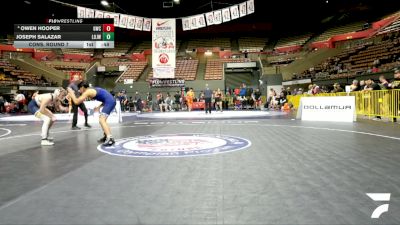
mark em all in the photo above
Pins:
pixel 66 33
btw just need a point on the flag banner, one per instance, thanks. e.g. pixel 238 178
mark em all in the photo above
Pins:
pixel 116 19
pixel 123 20
pixel 81 12
pixel 147 24
pixel 217 17
pixel 139 23
pixel 89 13
pixel 210 18
pixel 193 23
pixel 201 22
pixel 185 24
pixel 108 15
pixel 155 83
pixel 234 12
pixel 243 9
pixel 164 47
pixel 99 14
pixel 131 22
pixel 226 15
pixel 250 6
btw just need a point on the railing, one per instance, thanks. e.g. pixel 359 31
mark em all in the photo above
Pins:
pixel 385 103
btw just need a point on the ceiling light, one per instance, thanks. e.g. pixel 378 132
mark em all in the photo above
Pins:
pixel 177 1
pixel 104 3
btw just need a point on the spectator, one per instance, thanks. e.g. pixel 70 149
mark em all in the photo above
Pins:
pixel 2 104
pixel 384 84
pixel 138 102
pixel 177 97
pixel 362 85
pixel 354 86
pixel 337 88
pixel 149 100
pixel 20 98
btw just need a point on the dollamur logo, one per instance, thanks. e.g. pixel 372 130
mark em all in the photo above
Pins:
pixel 379 197
pixel 175 145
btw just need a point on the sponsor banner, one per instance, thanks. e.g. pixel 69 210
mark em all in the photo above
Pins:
pixel 156 83
pixel 163 45
pixel 147 24
pixel 226 15
pixel 176 145
pixel 217 17
pixel 81 12
pixel 89 13
pixel 164 72
pixel 336 109
pixel 123 20
pixel 243 9
pixel 139 23
pixel 131 22
pixel 250 6
pixel 234 12
pixel 99 14
pixel 210 18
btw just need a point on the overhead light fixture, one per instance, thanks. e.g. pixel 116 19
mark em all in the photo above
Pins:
pixel 104 3
pixel 177 1
pixel 208 53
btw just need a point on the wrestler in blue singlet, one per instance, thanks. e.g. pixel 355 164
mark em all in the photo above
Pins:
pixel 107 99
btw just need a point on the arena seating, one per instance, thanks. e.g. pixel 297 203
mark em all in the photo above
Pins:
pixel 251 44
pixel 292 41
pixel 340 30
pixel 145 45
pixel 134 70
pixel 393 27
pixel 185 69
pixel 11 74
pixel 222 43
pixel 119 50
pixel 214 68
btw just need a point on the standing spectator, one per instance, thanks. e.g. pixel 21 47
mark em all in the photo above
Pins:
pixel 336 88
pixel 149 100
pixel 362 85
pixel 189 99
pixel 384 84
pixel 208 94
pixel 138 102
pixel 177 97
pixel 218 99
pixel 1 104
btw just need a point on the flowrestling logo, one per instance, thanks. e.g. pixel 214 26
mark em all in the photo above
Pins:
pixel 175 145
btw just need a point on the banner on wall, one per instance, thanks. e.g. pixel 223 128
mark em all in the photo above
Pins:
pixel 163 48
pixel 188 23
pixel 156 83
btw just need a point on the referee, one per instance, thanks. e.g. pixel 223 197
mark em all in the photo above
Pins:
pixel 74 86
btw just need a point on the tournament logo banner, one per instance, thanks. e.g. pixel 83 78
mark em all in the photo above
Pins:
pixel 163 47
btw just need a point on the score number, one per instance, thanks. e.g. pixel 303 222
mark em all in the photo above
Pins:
pixel 108 32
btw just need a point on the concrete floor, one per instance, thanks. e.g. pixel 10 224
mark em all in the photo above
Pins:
pixel 294 172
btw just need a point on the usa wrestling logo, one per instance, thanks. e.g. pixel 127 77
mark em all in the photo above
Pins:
pixel 175 145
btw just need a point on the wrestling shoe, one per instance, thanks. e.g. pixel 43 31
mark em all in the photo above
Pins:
pixel 109 142
pixel 102 140
pixel 46 142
